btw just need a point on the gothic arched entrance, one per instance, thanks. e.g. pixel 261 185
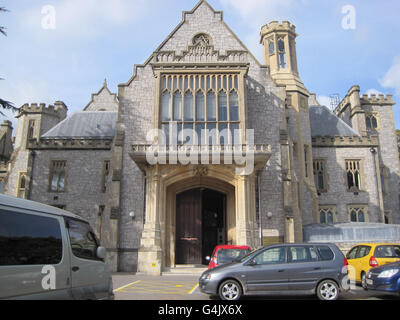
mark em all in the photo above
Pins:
pixel 200 224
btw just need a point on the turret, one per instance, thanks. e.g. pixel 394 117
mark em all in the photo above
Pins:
pixel 36 119
pixel 279 51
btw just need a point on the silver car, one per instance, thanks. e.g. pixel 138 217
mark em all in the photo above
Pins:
pixel 281 269
pixel 48 253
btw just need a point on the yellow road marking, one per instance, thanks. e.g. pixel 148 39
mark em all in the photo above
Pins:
pixel 163 287
pixel 193 289
pixel 126 286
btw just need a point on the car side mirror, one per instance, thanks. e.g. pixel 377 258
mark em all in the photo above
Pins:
pixel 208 258
pixel 101 253
pixel 252 262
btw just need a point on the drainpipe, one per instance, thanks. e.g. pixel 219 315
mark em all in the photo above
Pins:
pixel 378 184
pixel 259 206
pixel 144 196
pixel 32 162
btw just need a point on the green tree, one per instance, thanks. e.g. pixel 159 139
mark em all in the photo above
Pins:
pixel 4 103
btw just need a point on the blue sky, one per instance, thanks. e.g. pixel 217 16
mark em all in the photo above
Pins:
pixel 98 39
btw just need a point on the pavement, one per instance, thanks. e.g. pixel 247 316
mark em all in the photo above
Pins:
pixel 185 287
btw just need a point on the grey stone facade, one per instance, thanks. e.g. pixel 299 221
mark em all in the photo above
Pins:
pixel 275 107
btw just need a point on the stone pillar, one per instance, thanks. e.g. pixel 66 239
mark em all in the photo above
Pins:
pixel 246 224
pixel 150 252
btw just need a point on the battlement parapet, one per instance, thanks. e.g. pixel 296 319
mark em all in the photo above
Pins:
pixel 345 141
pixel 276 26
pixel 59 108
pixel 379 99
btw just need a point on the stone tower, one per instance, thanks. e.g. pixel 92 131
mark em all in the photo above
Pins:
pixel 33 121
pixel 300 196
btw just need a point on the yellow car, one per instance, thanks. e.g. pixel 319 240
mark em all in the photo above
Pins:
pixel 365 256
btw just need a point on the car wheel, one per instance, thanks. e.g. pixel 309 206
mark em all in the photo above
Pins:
pixel 328 290
pixel 364 281
pixel 230 290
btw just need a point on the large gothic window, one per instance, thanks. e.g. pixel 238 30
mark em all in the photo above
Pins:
pixel 203 109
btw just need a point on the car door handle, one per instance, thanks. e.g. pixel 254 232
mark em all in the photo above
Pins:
pixel 75 269
pixel 281 270
pixel 317 268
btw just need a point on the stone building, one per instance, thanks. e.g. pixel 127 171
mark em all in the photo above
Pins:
pixel 251 157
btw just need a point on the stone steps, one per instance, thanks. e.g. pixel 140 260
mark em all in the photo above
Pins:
pixel 187 269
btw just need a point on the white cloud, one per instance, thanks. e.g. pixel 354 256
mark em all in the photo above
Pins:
pixel 392 78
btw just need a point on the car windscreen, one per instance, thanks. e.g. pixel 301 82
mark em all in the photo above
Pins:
pixel 229 255
pixel 388 251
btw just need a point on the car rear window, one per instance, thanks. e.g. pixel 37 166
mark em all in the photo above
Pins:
pixel 388 251
pixel 229 255
pixel 325 253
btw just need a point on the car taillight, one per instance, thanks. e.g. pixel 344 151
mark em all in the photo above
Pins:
pixel 373 263
pixel 345 266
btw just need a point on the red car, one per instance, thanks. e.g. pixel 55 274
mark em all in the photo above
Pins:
pixel 225 254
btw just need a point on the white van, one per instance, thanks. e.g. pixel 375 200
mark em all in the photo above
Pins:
pixel 49 253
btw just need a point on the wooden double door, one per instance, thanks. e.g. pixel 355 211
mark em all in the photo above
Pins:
pixel 200 225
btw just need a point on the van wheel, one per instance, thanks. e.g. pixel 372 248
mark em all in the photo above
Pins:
pixel 230 290
pixel 328 290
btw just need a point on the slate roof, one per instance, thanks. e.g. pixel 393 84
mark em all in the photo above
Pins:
pixel 324 122
pixel 87 125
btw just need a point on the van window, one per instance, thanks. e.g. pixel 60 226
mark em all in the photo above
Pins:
pixel 27 239
pixel 83 240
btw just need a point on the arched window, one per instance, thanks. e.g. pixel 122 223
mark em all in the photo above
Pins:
pixel 200 106
pixel 222 106
pixel 200 102
pixel 327 214
pixel 165 103
pixel 177 111
pixel 189 107
pixel 233 106
pixel 282 54
pixel 358 213
pixel 211 107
